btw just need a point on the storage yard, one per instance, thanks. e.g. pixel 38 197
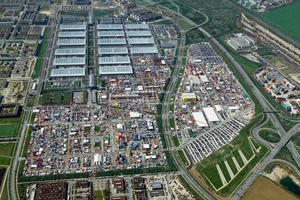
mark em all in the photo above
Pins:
pixel 117 128
pixel 282 90
pixel 210 104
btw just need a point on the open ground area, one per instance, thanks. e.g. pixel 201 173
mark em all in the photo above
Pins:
pixel 265 189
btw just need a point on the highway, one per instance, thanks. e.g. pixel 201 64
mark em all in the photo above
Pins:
pixel 15 159
pixel 170 91
pixel 265 106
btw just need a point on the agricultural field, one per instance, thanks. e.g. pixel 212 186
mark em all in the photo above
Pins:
pixel 286 18
pixel 265 189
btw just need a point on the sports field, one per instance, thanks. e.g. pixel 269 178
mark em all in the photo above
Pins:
pixel 286 18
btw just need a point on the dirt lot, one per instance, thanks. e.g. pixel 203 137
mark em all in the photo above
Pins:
pixel 264 189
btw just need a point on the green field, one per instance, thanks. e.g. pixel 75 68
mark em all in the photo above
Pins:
pixel 6 149
pixel 268 135
pixel 286 18
pixel 7 130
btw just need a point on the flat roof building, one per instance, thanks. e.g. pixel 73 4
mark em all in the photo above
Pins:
pixel 200 119
pixel 116 60
pixel 137 26
pixel 210 114
pixel 68 27
pixel 112 50
pixel 69 51
pixel 118 33
pixel 115 70
pixel 143 50
pixel 109 26
pixel 71 42
pixel 111 41
pixel 188 97
pixel 67 72
pixel 69 61
pixel 72 34
pixel 139 33
pixel 138 41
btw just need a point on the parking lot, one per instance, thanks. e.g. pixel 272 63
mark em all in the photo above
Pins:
pixel 210 105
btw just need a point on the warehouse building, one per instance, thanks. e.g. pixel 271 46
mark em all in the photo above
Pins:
pixel 116 60
pixel 72 34
pixel 67 72
pixel 68 27
pixel 141 41
pixel 200 119
pixel 240 41
pixel 210 114
pixel 69 51
pixel 118 33
pixel 69 61
pixel 71 42
pixel 115 70
pixel 188 97
pixel 112 50
pixel 139 33
pixel 143 50
pixel 137 26
pixel 111 41
pixel 109 27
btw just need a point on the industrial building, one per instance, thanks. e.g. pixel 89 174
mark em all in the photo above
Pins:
pixel 68 27
pixel 137 26
pixel 188 97
pixel 72 34
pixel 240 41
pixel 112 50
pixel 210 114
pixel 143 50
pixel 141 41
pixel 69 61
pixel 67 72
pixel 109 33
pixel 140 33
pixel 115 70
pixel 109 27
pixel 69 51
pixel 111 41
pixel 71 42
pixel 200 119
pixel 117 60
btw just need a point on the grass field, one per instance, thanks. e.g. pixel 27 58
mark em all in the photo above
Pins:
pixel 56 97
pixel 183 157
pixel 7 130
pixel 265 189
pixel 286 18
pixel 296 139
pixel 6 149
pixel 285 154
pixel 175 140
pixel 37 68
pixel 270 136
pixel 269 124
pixel 194 36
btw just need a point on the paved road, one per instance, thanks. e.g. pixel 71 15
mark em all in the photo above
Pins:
pixel 14 163
pixel 262 165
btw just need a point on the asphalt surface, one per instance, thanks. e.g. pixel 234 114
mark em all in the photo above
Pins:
pixel 15 161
